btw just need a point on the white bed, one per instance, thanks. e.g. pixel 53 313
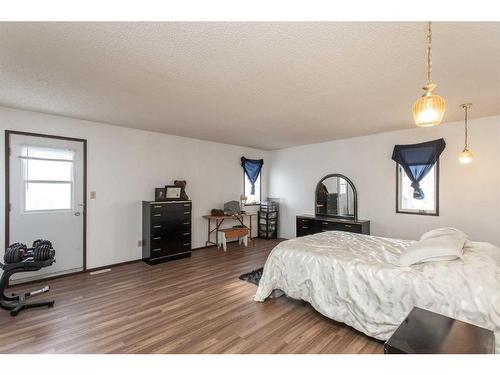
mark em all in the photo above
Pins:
pixel 355 279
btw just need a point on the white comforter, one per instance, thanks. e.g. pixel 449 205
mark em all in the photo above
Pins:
pixel 356 279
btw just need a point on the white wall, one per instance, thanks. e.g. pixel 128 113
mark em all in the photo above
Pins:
pixel 469 194
pixel 124 167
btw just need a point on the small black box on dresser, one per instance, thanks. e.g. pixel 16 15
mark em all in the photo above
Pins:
pixel 166 231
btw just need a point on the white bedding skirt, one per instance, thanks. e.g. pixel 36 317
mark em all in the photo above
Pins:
pixel 355 279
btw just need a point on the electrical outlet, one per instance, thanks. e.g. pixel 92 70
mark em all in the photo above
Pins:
pixel 139 243
pixel 92 195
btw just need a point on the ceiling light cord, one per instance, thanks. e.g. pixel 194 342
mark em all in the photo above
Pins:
pixel 466 123
pixel 429 53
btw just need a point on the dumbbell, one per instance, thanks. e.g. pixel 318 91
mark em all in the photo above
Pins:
pixel 43 252
pixel 39 242
pixel 15 253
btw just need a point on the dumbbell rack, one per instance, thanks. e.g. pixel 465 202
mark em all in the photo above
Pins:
pixel 17 302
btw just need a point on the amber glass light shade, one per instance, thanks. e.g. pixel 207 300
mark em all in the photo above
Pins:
pixel 466 156
pixel 428 110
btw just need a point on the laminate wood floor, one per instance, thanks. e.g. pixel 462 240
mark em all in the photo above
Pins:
pixel 193 305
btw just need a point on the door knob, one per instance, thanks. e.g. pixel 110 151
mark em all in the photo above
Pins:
pixel 77 213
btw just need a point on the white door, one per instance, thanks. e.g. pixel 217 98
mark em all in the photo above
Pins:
pixel 46 193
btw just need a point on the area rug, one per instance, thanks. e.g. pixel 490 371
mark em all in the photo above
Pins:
pixel 253 277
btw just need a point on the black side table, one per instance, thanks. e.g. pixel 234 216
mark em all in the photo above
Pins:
pixel 425 332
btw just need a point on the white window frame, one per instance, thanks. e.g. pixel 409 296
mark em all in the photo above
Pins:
pixel 399 179
pixel 24 165
pixel 259 181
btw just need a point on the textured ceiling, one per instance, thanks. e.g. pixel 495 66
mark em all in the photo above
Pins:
pixel 265 85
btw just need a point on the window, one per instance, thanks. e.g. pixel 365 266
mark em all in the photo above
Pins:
pixel 251 198
pixel 429 185
pixel 47 178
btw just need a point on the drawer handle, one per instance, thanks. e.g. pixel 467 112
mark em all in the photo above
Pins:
pixel 305 227
pixel 187 205
pixel 156 226
pixel 187 244
pixel 186 234
pixel 156 238
pixel 157 249
pixel 348 225
pixel 157 215
pixel 186 223
pixel 157 206
pixel 187 212
pixel 325 222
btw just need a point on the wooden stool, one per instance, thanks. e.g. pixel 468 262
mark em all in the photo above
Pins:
pixel 229 233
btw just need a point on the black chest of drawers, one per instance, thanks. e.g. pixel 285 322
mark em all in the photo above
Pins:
pixel 166 231
pixel 310 224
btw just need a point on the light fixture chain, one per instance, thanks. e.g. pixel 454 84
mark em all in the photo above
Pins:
pixel 429 53
pixel 466 123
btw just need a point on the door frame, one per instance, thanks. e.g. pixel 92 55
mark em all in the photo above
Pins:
pixel 8 133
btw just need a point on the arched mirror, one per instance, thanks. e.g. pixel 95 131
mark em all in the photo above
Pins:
pixel 336 197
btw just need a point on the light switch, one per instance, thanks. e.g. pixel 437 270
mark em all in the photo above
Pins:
pixel 92 195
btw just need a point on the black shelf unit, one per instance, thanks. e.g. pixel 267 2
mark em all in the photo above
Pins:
pixel 268 220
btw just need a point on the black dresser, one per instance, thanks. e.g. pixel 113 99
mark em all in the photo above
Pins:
pixel 310 224
pixel 166 231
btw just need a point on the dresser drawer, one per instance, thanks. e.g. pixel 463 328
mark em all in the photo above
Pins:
pixel 179 208
pixel 306 223
pixel 158 228
pixel 179 246
pixel 181 236
pixel 158 240
pixel 269 215
pixel 158 217
pixel 175 214
pixel 168 236
pixel 346 227
pixel 306 227
pixel 157 208
pixel 186 245
pixel 158 251
pixel 170 249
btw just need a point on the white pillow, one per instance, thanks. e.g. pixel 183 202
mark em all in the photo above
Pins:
pixel 439 232
pixel 435 245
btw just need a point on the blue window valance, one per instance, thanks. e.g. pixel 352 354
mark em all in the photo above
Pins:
pixel 252 169
pixel 417 160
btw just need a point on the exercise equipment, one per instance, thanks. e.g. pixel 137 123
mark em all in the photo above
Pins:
pixel 17 252
pixel 18 258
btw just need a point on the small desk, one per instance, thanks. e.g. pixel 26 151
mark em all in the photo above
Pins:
pixel 425 332
pixel 220 219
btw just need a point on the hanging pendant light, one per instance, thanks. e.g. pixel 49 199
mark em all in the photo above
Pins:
pixel 466 156
pixel 428 110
